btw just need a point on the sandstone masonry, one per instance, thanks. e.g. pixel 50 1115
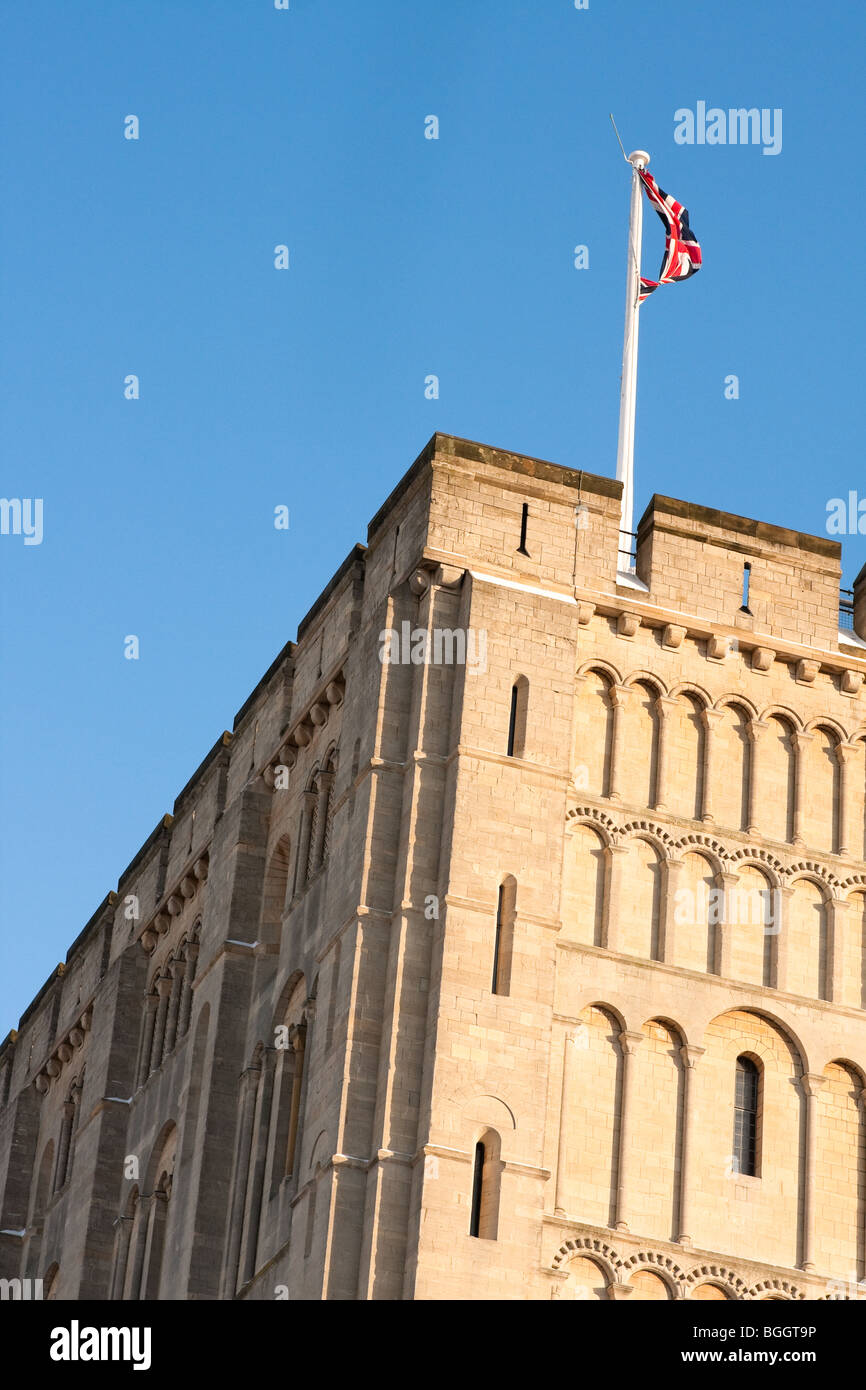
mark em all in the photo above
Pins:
pixel 445 977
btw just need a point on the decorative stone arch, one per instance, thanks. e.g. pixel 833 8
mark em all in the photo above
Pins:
pixel 725 1279
pixel 775 1288
pixel 646 678
pixel 156 1195
pixel 829 726
pixel 818 874
pixel 158 974
pixel 600 668
pixel 777 1021
pixel 783 712
pixel 597 820
pixel 760 859
pixel 854 883
pixel 747 860
pixel 735 699
pixel 590 1247
pixel 859 735
pixel 161 1154
pixel 284 997
pixel 275 892
pixel 691 688
pixel 673 1274
pixel 711 849
pixel 670 1023
pixel 847 1065
pixel 654 834
pixel 604 1006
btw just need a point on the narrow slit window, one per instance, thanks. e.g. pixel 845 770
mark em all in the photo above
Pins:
pixel 477 1190
pixel 503 947
pixel 517 717
pixel 486 1181
pixel 497 945
pixel 747 580
pixel 521 549
pixel 746 1118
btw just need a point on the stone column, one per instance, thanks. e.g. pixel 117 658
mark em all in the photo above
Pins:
pixel 144 1206
pixel 712 718
pixel 671 870
pixel 616 865
pixel 298 1039
pixel 188 977
pixel 844 753
pixel 68 1112
pixel 560 1200
pixel 801 743
pixel 261 1129
pixel 757 729
pixel 837 925
pixel 249 1090
pixel 163 989
pixel 178 970
pixel 782 907
pixel 317 850
pixel 155 1219
pixel 123 1227
pixel 618 697
pixel 688 1167
pixel 150 1003
pixel 665 705
pixel 724 929
pixel 811 1084
pixel 628 1043
pixel 308 803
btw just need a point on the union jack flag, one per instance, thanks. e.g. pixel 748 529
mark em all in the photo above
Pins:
pixel 682 256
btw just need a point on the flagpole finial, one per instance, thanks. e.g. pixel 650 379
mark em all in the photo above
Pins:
pixel 639 158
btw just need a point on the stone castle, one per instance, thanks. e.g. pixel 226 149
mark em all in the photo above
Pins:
pixel 511 946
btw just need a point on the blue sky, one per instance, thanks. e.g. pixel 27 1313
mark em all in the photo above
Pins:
pixel 305 387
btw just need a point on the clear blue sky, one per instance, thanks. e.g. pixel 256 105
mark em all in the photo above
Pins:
pixel 306 387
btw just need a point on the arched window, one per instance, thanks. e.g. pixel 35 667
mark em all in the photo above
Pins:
pixel 486 1168
pixel 275 898
pixel 503 948
pixel 517 718
pixel 190 956
pixel 746 1105
pixel 306 835
pixel 68 1126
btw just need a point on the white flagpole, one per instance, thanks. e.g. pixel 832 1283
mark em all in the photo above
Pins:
pixel 638 159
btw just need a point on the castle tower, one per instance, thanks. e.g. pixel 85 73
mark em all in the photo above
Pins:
pixel 512 945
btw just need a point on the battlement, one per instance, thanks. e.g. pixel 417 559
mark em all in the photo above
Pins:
pixel 735 570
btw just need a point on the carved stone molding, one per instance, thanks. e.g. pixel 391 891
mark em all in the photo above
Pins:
pixel 672 637
pixel 762 659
